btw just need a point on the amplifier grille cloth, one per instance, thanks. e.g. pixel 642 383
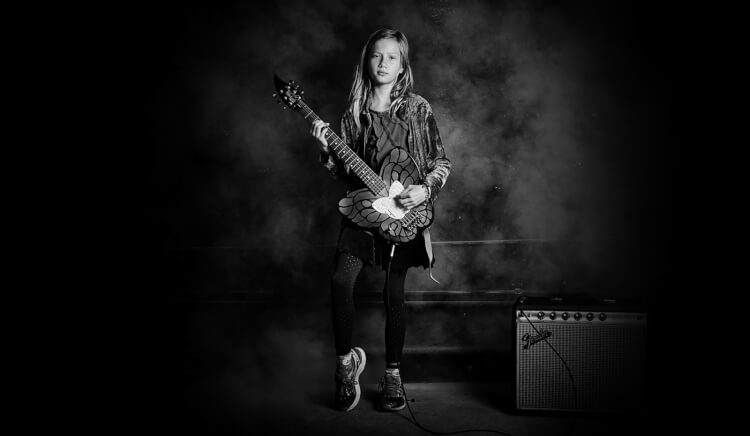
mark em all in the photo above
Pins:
pixel 607 363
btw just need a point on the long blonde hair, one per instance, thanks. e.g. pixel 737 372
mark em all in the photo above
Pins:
pixel 361 92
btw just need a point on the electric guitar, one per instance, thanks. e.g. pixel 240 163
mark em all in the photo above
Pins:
pixel 374 206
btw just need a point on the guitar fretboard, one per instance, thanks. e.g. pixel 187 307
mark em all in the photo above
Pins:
pixel 349 157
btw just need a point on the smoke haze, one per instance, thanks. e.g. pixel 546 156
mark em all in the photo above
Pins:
pixel 538 106
pixel 554 117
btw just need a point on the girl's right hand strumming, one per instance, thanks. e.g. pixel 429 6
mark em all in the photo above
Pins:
pixel 318 131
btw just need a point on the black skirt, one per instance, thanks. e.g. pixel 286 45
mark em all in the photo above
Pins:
pixel 372 249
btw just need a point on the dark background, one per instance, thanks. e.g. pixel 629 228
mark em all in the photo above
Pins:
pixel 556 116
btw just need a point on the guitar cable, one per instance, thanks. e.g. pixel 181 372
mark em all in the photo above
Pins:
pixel 406 399
pixel 521 301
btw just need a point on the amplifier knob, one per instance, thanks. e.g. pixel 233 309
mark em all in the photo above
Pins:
pixel 540 315
pixel 552 315
pixel 577 316
pixel 602 316
pixel 589 316
pixel 565 315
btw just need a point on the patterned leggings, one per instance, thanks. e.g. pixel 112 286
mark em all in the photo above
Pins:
pixel 345 275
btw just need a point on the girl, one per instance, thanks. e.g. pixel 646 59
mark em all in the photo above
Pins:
pixel 383 113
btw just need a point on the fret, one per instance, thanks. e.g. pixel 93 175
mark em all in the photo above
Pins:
pixel 348 156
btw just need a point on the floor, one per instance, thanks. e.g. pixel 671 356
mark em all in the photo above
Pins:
pixel 437 408
pixel 232 374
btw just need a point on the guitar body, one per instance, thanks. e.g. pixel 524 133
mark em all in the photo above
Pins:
pixel 379 212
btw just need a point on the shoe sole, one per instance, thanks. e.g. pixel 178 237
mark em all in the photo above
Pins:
pixel 360 368
pixel 391 409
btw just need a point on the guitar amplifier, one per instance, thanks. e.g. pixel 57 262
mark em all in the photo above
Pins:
pixel 582 355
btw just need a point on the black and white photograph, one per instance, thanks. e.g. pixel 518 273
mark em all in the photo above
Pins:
pixel 397 217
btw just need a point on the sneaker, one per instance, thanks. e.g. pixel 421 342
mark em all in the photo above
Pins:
pixel 347 380
pixel 391 392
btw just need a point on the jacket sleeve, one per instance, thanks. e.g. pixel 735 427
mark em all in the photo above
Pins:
pixel 438 165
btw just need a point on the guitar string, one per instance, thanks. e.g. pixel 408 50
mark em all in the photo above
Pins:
pixel 368 179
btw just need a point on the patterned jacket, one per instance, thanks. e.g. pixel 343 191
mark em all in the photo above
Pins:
pixel 425 145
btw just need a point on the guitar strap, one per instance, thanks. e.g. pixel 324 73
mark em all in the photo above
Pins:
pixel 430 257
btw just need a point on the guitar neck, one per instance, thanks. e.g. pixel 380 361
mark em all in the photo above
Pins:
pixel 348 156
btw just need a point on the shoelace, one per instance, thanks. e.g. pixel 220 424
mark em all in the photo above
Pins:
pixel 345 378
pixel 345 373
pixel 391 385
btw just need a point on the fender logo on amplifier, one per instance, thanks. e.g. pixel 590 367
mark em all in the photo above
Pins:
pixel 529 340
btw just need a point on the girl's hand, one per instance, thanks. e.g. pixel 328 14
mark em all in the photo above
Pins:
pixel 412 196
pixel 318 131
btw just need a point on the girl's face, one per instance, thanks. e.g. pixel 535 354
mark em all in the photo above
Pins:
pixel 385 62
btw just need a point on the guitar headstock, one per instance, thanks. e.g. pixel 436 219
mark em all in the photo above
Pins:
pixel 288 93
